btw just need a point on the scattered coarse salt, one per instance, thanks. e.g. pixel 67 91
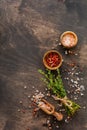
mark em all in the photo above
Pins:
pixel 48 121
pixel 76 85
pixel 57 126
pixel 72 73
pixel 62 110
pixel 32 99
pixel 66 120
pixel 62 60
pixel 76 73
pixel 19 110
pixel 67 78
pixel 84 107
pixel 33 96
pixel 46 89
pixel 66 52
pixel 20 102
pixel 78 79
pixel 69 72
pixel 68 91
pixel 59 44
pixel 76 54
pixel 49 124
pixel 72 80
pixel 76 82
pixel 75 98
pixel 25 87
pixel 48 94
pixel 50 128
pixel 37 91
pixel 29 107
pixel 28 96
pixel 56 40
pixel 82 94
pixel 82 88
pixel 33 87
pixel 75 92
pixel 81 78
pixel 73 69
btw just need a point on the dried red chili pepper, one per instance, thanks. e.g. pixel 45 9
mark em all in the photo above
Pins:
pixel 53 59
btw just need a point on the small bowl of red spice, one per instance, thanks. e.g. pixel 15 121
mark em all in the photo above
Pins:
pixel 69 39
pixel 52 59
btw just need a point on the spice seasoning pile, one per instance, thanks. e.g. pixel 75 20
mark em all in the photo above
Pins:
pixel 53 59
pixel 68 40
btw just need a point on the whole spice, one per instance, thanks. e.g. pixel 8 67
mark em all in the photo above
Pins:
pixel 55 83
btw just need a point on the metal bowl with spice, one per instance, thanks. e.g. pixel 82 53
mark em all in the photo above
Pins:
pixel 68 39
pixel 52 59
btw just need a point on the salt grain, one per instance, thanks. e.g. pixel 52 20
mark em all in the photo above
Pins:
pixel 73 68
pixel 67 78
pixel 48 121
pixel 33 87
pixel 62 60
pixel 57 126
pixel 28 96
pixel 68 91
pixel 20 102
pixel 59 43
pixel 37 91
pixel 29 107
pixel 66 120
pixel 46 89
pixel 19 110
pixel 78 79
pixel 75 98
pixel 25 87
pixel 66 52
pixel 82 94
pixel 75 92
pixel 81 78
pixel 82 88
pixel 72 80
pixel 76 82
pixel 76 73
pixel 84 107
pixel 48 94
pixel 72 73
pixel 50 128
pixel 32 99
pixel 76 54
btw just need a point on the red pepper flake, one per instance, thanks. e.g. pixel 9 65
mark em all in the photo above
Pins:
pixel 53 59
pixel 34 112
pixel 33 104
pixel 23 111
pixel 71 64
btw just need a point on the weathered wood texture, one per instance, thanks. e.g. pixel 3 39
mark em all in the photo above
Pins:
pixel 28 28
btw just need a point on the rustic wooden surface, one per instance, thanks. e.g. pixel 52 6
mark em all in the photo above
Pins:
pixel 28 28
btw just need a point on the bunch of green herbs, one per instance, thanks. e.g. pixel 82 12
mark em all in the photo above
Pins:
pixel 54 82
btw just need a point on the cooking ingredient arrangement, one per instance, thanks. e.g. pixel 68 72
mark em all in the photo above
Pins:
pixel 52 78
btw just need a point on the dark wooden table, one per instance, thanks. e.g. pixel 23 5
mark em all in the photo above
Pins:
pixel 28 28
